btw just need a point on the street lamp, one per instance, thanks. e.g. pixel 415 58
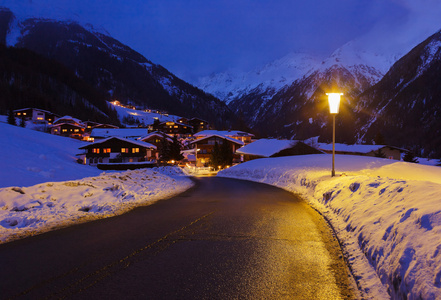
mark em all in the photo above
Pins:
pixel 334 105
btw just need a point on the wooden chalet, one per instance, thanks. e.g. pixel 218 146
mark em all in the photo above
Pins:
pixel 243 136
pixel 174 128
pixel 117 150
pixel 203 148
pixel 37 116
pixel 155 138
pixel 387 151
pixel 198 124
pixel 264 148
pixel 68 130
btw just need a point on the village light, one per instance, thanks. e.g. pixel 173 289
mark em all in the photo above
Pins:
pixel 334 105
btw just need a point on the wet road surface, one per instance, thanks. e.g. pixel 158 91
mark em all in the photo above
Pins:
pixel 223 239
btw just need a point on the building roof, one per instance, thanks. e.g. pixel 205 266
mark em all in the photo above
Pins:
pixel 223 133
pixel 157 133
pixel 219 136
pixel 266 147
pixel 118 132
pixel 137 143
pixel 68 118
pixel 355 148
pixel 42 110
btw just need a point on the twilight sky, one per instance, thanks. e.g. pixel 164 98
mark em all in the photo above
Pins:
pixel 193 38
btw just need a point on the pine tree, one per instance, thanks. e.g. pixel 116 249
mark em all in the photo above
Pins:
pixel 215 157
pixel 226 155
pixel 164 150
pixel 175 150
pixel 22 122
pixel 11 118
pixel 410 157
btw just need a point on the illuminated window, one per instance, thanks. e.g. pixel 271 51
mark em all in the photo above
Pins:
pixel 18 114
pixel 96 150
pixel 64 130
pixel 176 126
pixel 24 114
pixel 202 123
pixel 106 150
pixel 124 150
pixel 76 130
pixel 135 150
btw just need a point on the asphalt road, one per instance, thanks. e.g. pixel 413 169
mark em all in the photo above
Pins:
pixel 223 239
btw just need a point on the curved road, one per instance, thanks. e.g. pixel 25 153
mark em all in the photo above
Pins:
pixel 223 239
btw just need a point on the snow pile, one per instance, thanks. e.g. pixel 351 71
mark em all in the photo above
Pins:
pixel 387 214
pixel 30 210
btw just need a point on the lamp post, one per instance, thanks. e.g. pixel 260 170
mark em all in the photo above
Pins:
pixel 334 105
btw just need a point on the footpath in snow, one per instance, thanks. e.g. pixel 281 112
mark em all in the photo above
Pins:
pixel 26 211
pixel 387 216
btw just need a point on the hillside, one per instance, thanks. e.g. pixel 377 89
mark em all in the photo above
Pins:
pixel 31 80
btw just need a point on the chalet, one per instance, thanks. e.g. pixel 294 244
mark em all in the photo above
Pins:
pixel 116 150
pixel 198 124
pixel 390 152
pixel 126 133
pixel 89 125
pixel 155 138
pixel 68 130
pixel 274 148
pixel 203 147
pixel 242 136
pixel 174 128
pixel 37 116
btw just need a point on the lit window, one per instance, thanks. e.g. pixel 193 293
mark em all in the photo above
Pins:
pixel 106 150
pixel 124 150
pixel 18 114
pixel 76 130
pixel 135 150
pixel 64 130
pixel 96 150
pixel 202 123
pixel 176 126
pixel 24 114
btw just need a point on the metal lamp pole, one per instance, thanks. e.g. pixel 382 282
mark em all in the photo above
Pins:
pixel 334 105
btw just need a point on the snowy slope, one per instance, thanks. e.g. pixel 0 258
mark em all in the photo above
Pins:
pixel 146 118
pixel 30 157
pixel 385 213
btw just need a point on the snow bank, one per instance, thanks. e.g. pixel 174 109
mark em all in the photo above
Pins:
pixel 387 214
pixel 31 210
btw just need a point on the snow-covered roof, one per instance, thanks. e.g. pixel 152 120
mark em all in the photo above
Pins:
pixel 265 147
pixel 354 148
pixel 119 132
pixel 68 118
pixel 223 133
pixel 138 143
pixel 219 136
pixel 23 109
pixel 70 124
pixel 157 133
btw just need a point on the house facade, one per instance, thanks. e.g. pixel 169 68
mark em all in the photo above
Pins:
pixel 203 148
pixel 198 124
pixel 155 138
pixel 68 130
pixel 174 128
pixel 116 150
pixel 242 136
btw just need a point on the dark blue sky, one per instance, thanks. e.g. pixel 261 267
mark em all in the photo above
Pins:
pixel 197 37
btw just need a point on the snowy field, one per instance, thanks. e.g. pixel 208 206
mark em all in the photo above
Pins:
pixel 386 213
pixel 42 187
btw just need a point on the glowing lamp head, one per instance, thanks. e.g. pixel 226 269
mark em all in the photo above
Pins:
pixel 334 102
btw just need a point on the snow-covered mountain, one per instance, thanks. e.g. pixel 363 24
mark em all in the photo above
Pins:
pixel 233 84
pixel 110 66
pixel 404 106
